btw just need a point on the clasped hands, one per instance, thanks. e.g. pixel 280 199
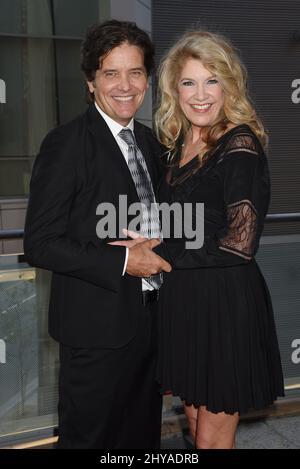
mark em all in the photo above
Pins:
pixel 142 261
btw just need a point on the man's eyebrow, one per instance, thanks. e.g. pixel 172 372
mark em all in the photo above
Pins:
pixel 108 70
pixel 115 70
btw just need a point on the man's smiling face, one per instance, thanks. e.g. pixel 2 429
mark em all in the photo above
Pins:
pixel 120 84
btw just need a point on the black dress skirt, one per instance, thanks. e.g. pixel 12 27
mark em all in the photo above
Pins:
pixel 217 338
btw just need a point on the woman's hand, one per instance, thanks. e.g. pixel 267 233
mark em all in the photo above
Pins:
pixel 136 239
pixel 142 261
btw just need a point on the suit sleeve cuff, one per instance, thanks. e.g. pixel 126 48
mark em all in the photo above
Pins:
pixel 125 263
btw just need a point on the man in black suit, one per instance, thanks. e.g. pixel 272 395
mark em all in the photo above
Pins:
pixel 102 307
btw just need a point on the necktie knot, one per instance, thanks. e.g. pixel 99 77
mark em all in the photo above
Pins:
pixel 127 136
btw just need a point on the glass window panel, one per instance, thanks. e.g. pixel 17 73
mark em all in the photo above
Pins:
pixel 15 176
pixel 12 137
pixel 27 69
pixel 25 17
pixel 73 16
pixel 11 16
pixel 38 17
pixel 70 80
pixel 29 362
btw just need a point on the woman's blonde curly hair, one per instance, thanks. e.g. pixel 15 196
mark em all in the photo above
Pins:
pixel 219 57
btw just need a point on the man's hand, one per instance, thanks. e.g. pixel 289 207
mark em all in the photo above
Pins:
pixel 142 262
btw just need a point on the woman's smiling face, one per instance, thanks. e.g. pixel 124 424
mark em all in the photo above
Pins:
pixel 201 97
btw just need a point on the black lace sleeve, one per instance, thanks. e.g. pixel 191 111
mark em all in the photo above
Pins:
pixel 241 236
pixel 246 199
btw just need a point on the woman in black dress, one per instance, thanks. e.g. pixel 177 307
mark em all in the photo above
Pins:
pixel 218 347
pixel 218 343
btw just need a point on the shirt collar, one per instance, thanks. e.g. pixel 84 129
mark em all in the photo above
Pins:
pixel 114 126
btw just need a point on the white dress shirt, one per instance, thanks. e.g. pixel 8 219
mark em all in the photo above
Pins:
pixel 115 129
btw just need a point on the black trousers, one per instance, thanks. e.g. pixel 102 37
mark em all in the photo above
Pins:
pixel 108 398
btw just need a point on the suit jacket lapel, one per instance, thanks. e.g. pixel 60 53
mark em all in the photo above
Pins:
pixel 111 149
pixel 108 144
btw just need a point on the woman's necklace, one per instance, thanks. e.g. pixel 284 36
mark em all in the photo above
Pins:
pixel 190 150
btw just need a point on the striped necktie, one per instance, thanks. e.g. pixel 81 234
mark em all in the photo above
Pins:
pixel 150 226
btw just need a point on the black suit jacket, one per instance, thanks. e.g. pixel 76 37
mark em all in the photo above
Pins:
pixel 79 166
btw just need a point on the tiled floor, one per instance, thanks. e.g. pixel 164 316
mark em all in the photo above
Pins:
pixel 270 433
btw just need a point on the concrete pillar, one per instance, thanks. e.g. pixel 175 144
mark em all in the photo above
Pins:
pixel 138 11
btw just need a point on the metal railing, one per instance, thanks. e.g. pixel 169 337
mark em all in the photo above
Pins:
pixel 11 234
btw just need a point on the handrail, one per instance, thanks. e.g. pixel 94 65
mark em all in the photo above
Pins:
pixel 11 234
pixel 286 217
pixel 270 218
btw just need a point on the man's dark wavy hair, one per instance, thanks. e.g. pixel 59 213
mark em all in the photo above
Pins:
pixel 103 38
